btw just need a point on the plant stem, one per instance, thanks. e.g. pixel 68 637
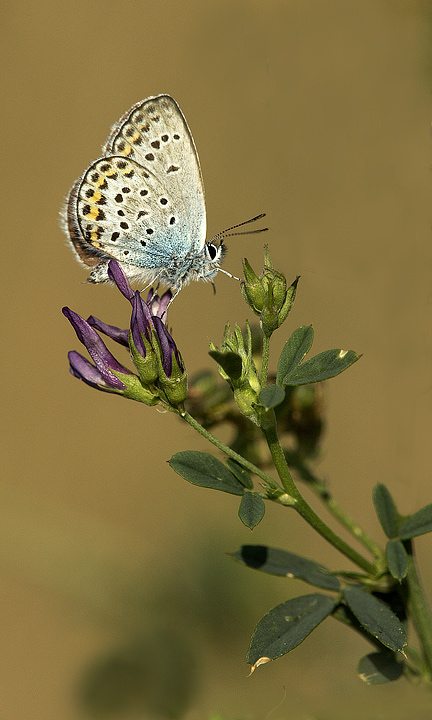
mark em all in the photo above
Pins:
pixel 265 361
pixel 347 522
pixel 269 429
pixel 322 491
pixel 419 612
pixel 228 451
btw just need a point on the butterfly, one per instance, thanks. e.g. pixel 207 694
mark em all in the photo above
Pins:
pixel 142 203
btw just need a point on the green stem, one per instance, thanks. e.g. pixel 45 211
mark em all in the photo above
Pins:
pixel 228 451
pixel 347 522
pixel 265 361
pixel 419 612
pixel 269 429
pixel 322 491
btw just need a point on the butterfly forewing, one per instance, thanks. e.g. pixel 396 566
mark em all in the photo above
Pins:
pixel 155 134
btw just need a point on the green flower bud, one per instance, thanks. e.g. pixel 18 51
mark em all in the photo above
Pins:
pixel 289 300
pixel 145 360
pixel 252 289
pixel 268 295
pixel 236 365
pixel 175 385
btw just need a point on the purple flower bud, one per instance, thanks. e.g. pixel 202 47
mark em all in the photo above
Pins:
pixel 158 305
pixel 141 323
pixel 168 347
pixel 113 332
pixel 172 376
pixel 142 341
pixel 98 351
pixel 116 274
pixel 82 369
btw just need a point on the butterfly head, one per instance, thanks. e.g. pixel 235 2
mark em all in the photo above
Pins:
pixel 215 254
pixel 197 266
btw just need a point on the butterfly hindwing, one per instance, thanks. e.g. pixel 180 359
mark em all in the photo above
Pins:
pixel 124 211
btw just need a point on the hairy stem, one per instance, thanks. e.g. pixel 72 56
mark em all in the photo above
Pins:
pixel 265 361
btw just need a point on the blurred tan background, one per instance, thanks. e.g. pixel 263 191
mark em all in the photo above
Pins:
pixel 318 114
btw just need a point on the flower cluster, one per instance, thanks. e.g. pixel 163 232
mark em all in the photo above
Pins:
pixel 161 376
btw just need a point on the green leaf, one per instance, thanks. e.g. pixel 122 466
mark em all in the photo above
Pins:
pixel 379 667
pixel 202 469
pixel 325 365
pixel 240 473
pixel 286 626
pixel 272 395
pixel 397 559
pixel 296 347
pixel 230 362
pixel 376 618
pixel 418 524
pixel 286 564
pixel 386 510
pixel 252 509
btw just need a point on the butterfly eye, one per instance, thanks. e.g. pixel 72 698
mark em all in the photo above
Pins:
pixel 213 251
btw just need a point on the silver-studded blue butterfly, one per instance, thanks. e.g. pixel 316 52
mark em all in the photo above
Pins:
pixel 142 203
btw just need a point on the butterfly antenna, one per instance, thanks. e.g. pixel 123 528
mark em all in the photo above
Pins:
pixel 227 233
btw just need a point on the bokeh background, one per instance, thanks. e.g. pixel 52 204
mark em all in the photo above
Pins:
pixel 115 583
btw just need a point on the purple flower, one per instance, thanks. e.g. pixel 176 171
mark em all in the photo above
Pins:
pixel 82 369
pixel 113 332
pixel 158 305
pixel 161 373
pixel 116 274
pixel 141 323
pixel 99 375
pixel 168 348
pixel 142 312
pixel 172 378
pixel 141 341
pixel 154 351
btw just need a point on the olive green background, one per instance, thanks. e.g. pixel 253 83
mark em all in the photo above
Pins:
pixel 318 114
